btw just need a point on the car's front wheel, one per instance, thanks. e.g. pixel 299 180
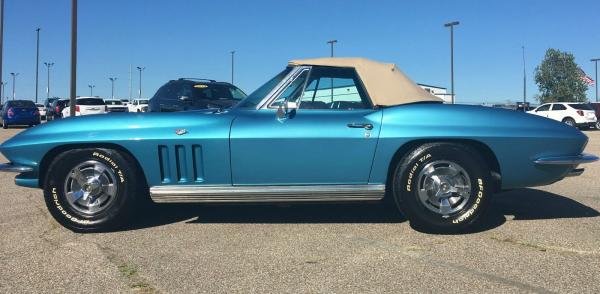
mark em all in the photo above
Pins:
pixel 442 187
pixel 569 121
pixel 92 189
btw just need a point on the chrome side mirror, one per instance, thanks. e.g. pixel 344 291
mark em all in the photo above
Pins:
pixel 287 109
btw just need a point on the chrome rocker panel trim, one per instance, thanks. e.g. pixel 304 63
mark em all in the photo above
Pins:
pixel 12 168
pixel 567 160
pixel 248 194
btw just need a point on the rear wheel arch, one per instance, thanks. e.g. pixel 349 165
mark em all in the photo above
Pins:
pixel 484 150
pixel 50 155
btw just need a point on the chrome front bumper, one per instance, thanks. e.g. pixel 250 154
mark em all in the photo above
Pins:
pixel 12 168
pixel 568 160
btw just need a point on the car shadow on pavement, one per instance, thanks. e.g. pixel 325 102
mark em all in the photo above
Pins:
pixel 523 204
pixel 531 204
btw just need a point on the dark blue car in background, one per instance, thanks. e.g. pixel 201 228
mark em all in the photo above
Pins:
pixel 20 112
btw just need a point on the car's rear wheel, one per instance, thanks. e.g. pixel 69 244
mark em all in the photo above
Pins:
pixel 597 125
pixel 442 187
pixel 569 121
pixel 92 189
pixel 4 124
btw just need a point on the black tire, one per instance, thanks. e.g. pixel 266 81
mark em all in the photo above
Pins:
pixel 597 125
pixel 126 179
pixel 4 125
pixel 410 175
pixel 570 122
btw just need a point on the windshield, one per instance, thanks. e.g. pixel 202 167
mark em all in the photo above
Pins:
pixel 143 101
pixel 259 94
pixel 581 106
pixel 90 101
pixel 113 102
pixel 204 91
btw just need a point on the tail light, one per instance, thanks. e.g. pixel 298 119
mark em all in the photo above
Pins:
pixel 77 108
pixel 10 113
pixel 57 109
pixel 36 112
pixel 580 112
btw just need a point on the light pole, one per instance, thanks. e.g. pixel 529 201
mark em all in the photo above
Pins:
pixel 331 42
pixel 92 90
pixel 112 87
pixel 48 66
pixel 2 91
pixel 595 61
pixel 232 64
pixel 73 90
pixel 37 63
pixel 451 26
pixel 1 39
pixel 524 80
pixel 14 75
pixel 140 69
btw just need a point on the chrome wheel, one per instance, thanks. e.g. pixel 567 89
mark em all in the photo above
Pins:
pixel 90 187
pixel 444 187
pixel 570 122
pixel 598 125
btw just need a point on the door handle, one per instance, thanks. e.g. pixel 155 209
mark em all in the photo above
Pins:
pixel 360 126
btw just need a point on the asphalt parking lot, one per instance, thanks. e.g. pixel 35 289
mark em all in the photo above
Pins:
pixel 544 239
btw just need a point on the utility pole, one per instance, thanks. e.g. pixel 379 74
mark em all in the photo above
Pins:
pixel 37 64
pixel 524 80
pixel 451 26
pixel 130 82
pixel 2 91
pixel 112 87
pixel 14 75
pixel 140 69
pixel 48 66
pixel 92 90
pixel 595 61
pixel 232 64
pixel 73 89
pixel 331 42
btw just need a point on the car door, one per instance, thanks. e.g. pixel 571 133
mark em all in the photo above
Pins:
pixel 330 139
pixel 557 112
pixel 542 110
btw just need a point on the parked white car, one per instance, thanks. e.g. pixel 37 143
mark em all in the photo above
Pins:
pixel 86 106
pixel 138 105
pixel 42 109
pixel 114 105
pixel 573 114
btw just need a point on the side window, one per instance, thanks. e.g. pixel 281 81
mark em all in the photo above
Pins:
pixel 293 91
pixel 334 88
pixel 558 107
pixel 544 107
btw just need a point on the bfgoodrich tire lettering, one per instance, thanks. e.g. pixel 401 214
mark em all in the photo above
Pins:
pixel 91 189
pixel 442 187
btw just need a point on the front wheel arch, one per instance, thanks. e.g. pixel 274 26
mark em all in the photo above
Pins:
pixel 484 150
pixel 50 155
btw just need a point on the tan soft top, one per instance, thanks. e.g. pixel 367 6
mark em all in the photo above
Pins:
pixel 384 82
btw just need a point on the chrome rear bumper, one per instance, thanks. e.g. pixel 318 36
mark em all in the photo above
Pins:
pixel 12 168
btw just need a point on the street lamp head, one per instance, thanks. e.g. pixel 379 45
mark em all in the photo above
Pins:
pixel 332 41
pixel 112 79
pixel 140 68
pixel 454 23
pixel 595 59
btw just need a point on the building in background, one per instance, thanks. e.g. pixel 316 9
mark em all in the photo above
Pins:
pixel 440 92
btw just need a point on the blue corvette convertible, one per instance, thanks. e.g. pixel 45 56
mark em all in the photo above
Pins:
pixel 328 129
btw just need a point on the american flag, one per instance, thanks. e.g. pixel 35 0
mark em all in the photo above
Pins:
pixel 585 78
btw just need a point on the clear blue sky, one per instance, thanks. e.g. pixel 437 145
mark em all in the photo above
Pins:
pixel 178 38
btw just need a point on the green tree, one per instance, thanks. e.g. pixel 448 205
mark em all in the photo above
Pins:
pixel 559 78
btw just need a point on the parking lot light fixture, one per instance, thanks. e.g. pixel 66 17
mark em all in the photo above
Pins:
pixel 48 66
pixel 232 64
pixel 112 87
pixel 332 42
pixel 92 89
pixel 14 76
pixel 451 26
pixel 595 61
pixel 140 69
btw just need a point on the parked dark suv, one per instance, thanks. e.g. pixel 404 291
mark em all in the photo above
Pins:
pixel 191 94
pixel 49 108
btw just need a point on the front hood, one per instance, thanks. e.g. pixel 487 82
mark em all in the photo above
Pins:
pixel 30 145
